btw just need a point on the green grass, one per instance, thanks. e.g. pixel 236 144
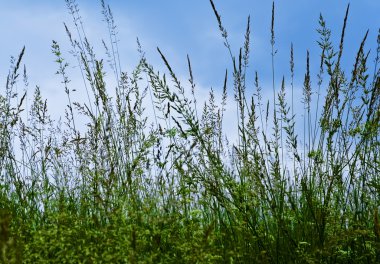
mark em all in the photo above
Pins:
pixel 125 190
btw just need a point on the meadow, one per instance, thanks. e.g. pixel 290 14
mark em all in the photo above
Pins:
pixel 129 187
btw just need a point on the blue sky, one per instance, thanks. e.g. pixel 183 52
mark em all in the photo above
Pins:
pixel 180 28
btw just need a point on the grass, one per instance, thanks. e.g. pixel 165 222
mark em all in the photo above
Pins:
pixel 127 190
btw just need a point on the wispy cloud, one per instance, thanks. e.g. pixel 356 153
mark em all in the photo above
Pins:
pixel 178 28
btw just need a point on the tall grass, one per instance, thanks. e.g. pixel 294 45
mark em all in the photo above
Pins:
pixel 129 188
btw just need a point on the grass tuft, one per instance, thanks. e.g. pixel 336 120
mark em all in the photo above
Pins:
pixel 129 188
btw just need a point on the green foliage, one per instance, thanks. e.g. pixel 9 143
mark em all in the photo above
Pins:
pixel 129 188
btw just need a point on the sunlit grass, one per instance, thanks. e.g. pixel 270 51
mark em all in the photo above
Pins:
pixel 124 190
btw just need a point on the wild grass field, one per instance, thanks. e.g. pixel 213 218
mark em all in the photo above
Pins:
pixel 172 188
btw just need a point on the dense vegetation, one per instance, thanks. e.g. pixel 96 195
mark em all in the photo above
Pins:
pixel 123 189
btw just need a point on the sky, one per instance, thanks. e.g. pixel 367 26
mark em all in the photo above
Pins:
pixel 179 28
